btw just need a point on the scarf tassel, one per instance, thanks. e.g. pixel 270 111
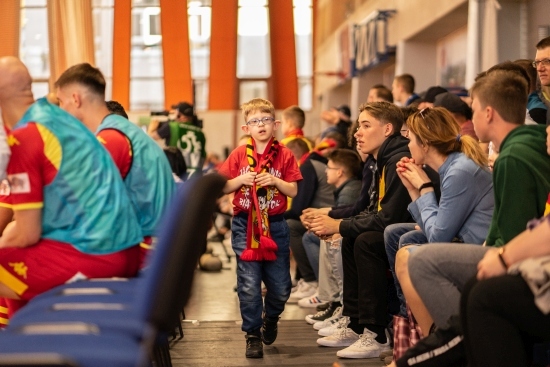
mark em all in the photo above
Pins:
pixel 252 255
pixel 268 244
pixel 269 255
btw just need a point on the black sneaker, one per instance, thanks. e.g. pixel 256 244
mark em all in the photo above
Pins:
pixel 322 306
pixel 445 347
pixel 254 346
pixel 323 315
pixel 269 330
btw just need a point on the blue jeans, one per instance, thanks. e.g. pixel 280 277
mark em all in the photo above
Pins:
pixel 250 274
pixel 311 244
pixel 397 236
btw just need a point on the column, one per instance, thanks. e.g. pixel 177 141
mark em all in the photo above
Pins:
pixel 223 83
pixel 473 40
pixel 10 27
pixel 178 84
pixel 122 30
pixel 284 81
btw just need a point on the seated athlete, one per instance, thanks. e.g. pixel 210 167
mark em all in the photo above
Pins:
pixel 72 218
pixel 142 164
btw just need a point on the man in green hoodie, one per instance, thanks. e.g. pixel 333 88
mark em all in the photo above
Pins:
pixel 521 184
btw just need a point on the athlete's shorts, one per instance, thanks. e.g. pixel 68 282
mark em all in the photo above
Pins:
pixel 35 269
pixel 144 247
pixel 4 319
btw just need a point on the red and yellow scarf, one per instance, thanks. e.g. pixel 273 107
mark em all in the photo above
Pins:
pixel 259 244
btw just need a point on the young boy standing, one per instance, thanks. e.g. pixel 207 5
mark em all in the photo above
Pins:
pixel 262 174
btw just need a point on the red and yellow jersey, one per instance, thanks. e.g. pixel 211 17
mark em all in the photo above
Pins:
pixel 34 164
pixel 119 147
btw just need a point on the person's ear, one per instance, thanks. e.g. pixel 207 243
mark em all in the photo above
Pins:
pixel 276 124
pixel 388 130
pixel 245 129
pixel 489 114
pixel 77 98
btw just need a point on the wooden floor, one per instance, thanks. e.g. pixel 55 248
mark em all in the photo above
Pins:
pixel 213 335
pixel 221 343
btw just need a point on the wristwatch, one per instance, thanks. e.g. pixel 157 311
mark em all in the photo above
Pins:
pixel 501 258
pixel 425 185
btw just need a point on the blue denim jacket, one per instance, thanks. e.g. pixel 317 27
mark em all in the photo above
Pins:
pixel 466 205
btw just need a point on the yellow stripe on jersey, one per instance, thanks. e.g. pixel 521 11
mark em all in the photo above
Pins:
pixel 547 209
pixel 4 321
pixel 145 246
pixel 25 206
pixel 4 205
pixel 101 140
pixel 52 147
pixel 3 310
pixel 130 145
pixel 12 282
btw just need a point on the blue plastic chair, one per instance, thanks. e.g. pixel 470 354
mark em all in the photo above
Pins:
pixel 125 324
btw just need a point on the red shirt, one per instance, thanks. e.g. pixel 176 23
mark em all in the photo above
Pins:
pixel 35 158
pixel 119 148
pixel 284 167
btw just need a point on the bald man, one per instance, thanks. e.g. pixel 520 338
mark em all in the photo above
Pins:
pixel 72 218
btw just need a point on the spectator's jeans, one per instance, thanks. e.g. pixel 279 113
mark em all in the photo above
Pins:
pixel 250 274
pixel 397 236
pixel 330 271
pixel 297 231
pixel 326 262
pixel 311 245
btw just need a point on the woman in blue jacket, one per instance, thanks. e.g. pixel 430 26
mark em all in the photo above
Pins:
pixel 464 211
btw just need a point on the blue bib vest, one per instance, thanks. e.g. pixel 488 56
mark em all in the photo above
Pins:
pixel 149 181
pixel 86 204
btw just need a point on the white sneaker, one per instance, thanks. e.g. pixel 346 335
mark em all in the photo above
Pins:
pixel 343 322
pixel 365 347
pixel 312 301
pixel 344 337
pixel 296 286
pixel 304 290
pixel 336 316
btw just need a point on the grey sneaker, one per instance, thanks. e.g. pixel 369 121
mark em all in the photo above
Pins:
pixel 365 347
pixel 344 337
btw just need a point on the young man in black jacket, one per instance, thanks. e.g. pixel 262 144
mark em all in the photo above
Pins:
pixel 363 253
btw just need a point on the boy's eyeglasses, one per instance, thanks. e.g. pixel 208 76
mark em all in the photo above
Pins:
pixel 263 120
pixel 543 62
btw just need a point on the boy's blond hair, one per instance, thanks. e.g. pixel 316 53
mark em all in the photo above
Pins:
pixel 257 104
pixel 296 115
